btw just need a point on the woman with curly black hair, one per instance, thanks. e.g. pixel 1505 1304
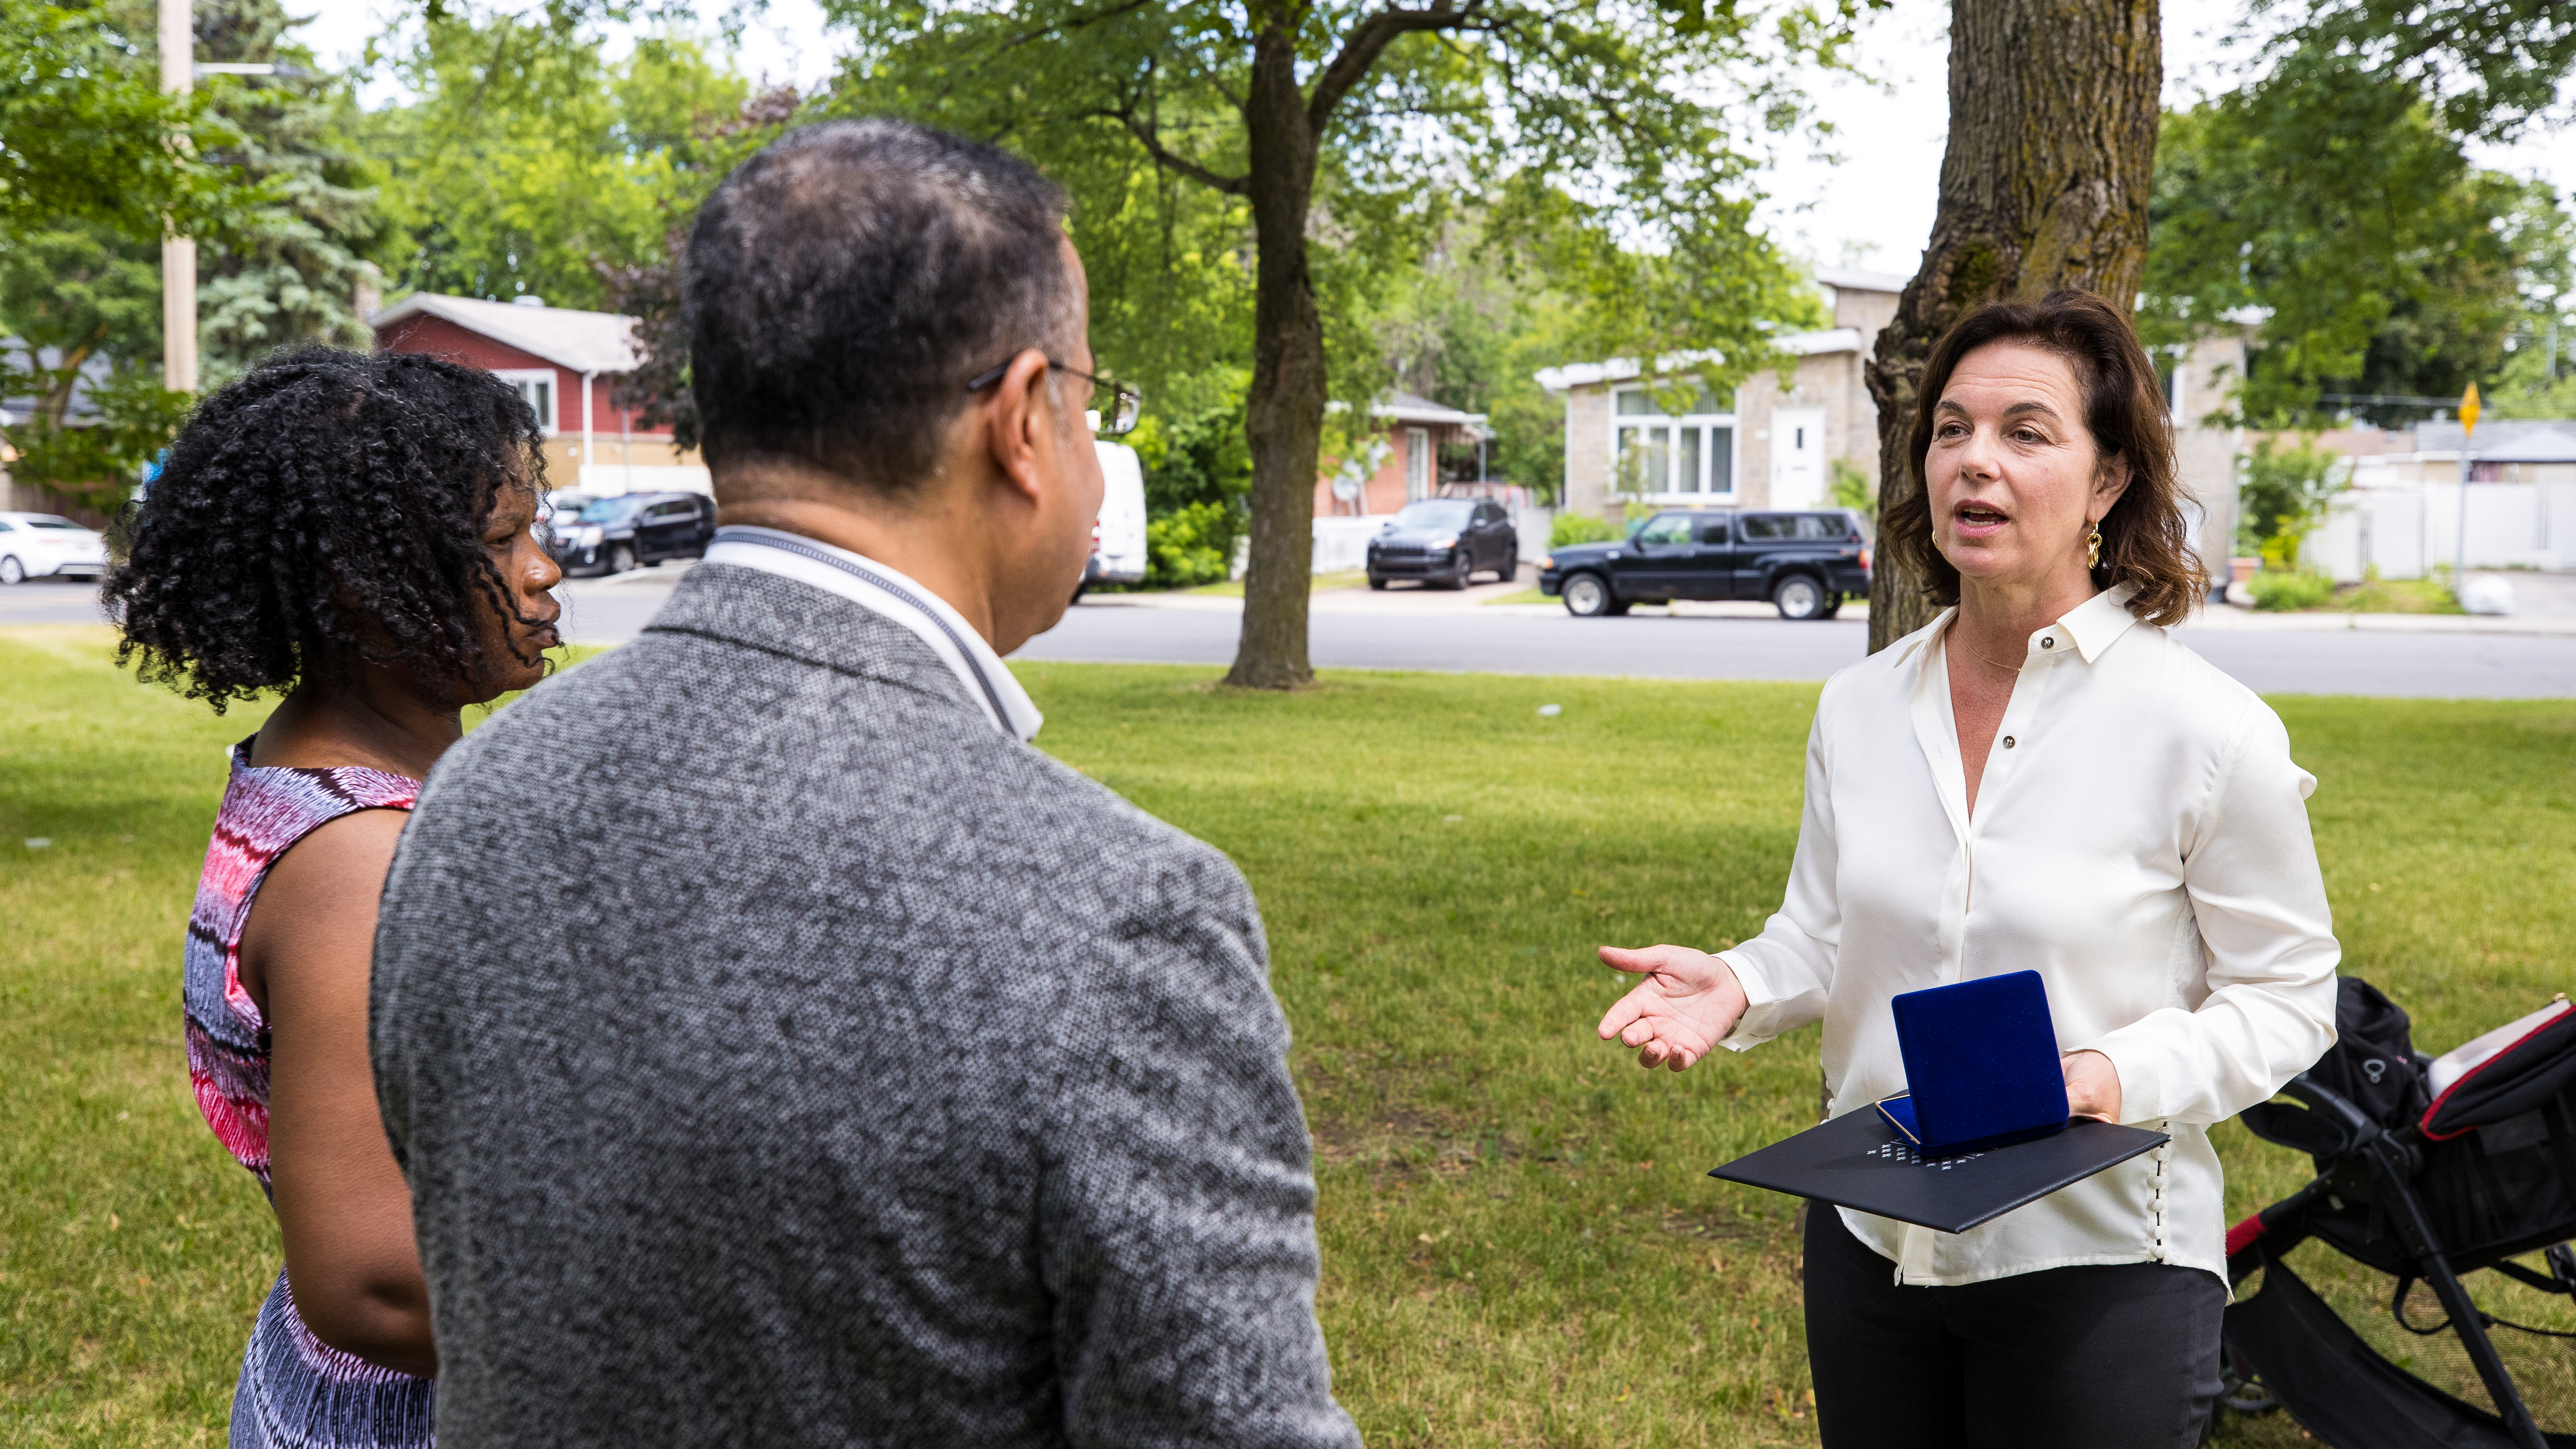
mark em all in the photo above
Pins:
pixel 358 534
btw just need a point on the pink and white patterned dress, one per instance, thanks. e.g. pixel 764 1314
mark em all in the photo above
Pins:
pixel 295 1390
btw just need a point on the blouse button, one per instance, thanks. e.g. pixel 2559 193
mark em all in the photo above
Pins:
pixel 2047 641
pixel 2008 742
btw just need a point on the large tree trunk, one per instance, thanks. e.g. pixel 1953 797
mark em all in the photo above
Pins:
pixel 2052 148
pixel 1285 411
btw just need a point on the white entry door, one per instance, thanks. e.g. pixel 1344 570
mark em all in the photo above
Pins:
pixel 1797 457
pixel 1417 463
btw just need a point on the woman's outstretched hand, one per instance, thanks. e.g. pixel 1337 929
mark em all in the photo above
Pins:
pixel 1678 1014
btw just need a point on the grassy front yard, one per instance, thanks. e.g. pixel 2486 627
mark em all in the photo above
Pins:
pixel 1519 1245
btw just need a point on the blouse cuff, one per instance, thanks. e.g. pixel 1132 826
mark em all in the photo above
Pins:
pixel 2138 1061
pixel 1748 1031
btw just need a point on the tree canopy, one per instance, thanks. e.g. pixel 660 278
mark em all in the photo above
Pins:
pixel 2329 206
pixel 1614 144
pixel 86 134
pixel 523 162
pixel 285 217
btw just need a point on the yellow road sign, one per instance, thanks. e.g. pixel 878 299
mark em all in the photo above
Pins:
pixel 2469 411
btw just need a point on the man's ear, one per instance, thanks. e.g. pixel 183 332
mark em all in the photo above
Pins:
pixel 1019 423
pixel 2110 480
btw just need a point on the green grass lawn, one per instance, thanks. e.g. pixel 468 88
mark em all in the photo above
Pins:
pixel 1519 1245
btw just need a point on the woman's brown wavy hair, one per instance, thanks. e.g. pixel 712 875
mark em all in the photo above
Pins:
pixel 2145 539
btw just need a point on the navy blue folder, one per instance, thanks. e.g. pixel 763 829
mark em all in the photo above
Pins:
pixel 1981 1129
pixel 1981 1065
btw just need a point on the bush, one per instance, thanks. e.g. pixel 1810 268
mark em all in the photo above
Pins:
pixel 2283 592
pixel 1188 546
pixel 2283 495
pixel 1572 528
pixel 1852 490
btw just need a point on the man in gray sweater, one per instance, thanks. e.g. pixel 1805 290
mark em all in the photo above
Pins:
pixel 779 1049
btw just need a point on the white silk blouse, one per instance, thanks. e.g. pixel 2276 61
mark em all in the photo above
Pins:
pixel 2140 840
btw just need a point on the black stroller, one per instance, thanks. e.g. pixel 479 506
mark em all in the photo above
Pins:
pixel 2428 1170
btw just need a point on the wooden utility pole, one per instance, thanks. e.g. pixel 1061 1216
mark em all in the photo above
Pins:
pixel 2053 111
pixel 178 253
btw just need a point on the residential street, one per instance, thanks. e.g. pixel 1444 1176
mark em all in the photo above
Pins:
pixel 2532 655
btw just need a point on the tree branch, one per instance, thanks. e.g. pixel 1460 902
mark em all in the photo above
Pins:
pixel 1173 161
pixel 1369 40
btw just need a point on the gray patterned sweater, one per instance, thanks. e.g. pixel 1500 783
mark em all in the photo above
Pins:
pixel 779 1054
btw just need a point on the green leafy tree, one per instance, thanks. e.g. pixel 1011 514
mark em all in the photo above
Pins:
pixel 86 136
pixel 2538 377
pixel 527 164
pixel 97 163
pixel 1463 330
pixel 1614 138
pixel 292 269
pixel 281 265
pixel 82 305
pixel 2491 67
pixel 2329 201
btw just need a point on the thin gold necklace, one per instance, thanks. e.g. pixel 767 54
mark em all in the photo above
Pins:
pixel 1994 663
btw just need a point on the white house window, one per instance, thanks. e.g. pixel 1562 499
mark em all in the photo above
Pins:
pixel 1688 455
pixel 537 386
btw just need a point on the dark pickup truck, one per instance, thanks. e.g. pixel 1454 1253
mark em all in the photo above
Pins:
pixel 1805 563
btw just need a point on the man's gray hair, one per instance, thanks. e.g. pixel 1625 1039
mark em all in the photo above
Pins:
pixel 846 283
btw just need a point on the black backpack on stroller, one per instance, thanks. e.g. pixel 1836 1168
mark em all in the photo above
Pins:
pixel 2428 1169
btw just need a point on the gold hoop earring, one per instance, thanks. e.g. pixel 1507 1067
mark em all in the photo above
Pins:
pixel 2093 548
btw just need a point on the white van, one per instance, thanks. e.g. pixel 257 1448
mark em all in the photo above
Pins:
pixel 1118 539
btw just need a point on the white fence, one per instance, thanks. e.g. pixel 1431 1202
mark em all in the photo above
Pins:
pixel 617 478
pixel 1341 544
pixel 2406 531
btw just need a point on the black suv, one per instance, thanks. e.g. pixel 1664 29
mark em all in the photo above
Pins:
pixel 1804 563
pixel 612 535
pixel 1443 540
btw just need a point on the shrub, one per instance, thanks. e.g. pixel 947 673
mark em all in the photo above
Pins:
pixel 1572 528
pixel 2283 496
pixel 1188 546
pixel 1852 490
pixel 2283 592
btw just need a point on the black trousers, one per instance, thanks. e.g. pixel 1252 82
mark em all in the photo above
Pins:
pixel 2104 1357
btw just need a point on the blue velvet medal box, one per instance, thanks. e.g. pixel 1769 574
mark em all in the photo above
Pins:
pixel 1981 1130
pixel 1981 1065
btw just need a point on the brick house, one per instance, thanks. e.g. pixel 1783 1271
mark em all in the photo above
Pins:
pixel 1406 443
pixel 565 363
pixel 1772 447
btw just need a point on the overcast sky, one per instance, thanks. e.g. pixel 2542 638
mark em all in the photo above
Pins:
pixel 1870 208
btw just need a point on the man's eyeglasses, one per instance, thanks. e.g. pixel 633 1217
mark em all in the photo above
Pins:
pixel 1117 412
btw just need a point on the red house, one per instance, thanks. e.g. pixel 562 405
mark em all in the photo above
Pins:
pixel 1401 460
pixel 565 363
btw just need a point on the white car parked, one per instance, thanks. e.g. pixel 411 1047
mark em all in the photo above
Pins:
pixel 42 546
pixel 1118 537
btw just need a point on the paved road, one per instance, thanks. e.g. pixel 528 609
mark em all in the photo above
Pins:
pixel 1386 633
pixel 2475 666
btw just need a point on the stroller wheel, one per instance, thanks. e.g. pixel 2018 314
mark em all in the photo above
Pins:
pixel 2241 1390
pixel 2251 1398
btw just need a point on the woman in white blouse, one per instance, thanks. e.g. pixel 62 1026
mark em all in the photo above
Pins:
pixel 2041 779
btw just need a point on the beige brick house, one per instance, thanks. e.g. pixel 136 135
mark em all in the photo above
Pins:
pixel 1773 447
pixel 1764 447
